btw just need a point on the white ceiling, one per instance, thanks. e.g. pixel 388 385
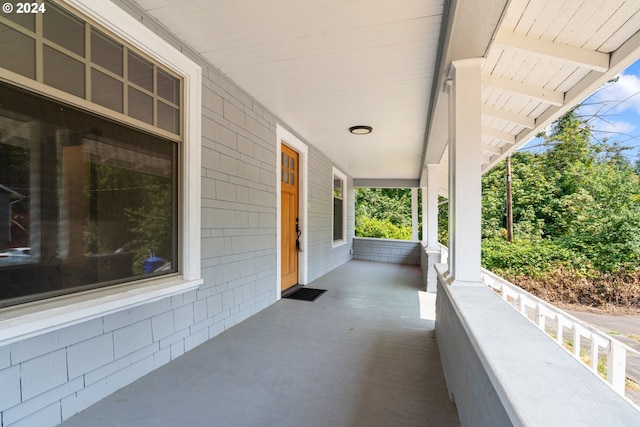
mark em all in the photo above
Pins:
pixel 323 66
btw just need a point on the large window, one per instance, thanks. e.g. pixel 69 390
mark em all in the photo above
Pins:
pixel 339 207
pixel 88 196
pixel 85 201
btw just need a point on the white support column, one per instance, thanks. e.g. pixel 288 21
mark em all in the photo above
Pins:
pixel 425 216
pixel 414 214
pixel 465 187
pixel 430 208
pixel 431 255
pixel 451 180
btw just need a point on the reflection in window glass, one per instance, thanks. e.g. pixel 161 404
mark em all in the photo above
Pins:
pixel 84 202
pixel 17 52
pixel 168 118
pixel 25 20
pixel 337 187
pixel 106 52
pixel 140 106
pixel 64 29
pixel 168 87
pixel 63 72
pixel 106 91
pixel 140 71
pixel 14 199
pixel 338 211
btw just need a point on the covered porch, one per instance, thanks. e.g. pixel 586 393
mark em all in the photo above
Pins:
pixel 449 89
pixel 363 354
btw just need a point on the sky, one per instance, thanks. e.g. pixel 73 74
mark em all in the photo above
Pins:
pixel 615 111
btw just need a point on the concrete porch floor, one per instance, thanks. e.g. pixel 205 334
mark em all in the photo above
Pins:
pixel 360 355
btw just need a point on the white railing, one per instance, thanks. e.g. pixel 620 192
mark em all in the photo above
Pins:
pixel 586 342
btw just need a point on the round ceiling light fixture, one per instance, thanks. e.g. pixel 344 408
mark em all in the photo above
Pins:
pixel 360 130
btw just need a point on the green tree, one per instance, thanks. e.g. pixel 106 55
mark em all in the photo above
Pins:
pixel 383 213
pixel 580 194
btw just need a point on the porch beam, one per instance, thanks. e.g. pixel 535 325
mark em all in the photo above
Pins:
pixel 491 149
pixel 430 208
pixel 620 59
pixel 465 159
pixel 509 116
pixel 502 136
pixel 414 214
pixel 547 96
pixel 385 183
pixel 577 56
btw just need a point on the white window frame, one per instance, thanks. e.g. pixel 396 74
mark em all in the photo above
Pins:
pixel 338 174
pixel 39 317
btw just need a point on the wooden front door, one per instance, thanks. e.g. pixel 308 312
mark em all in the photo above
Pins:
pixel 289 190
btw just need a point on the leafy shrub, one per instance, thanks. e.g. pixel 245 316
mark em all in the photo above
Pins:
pixel 532 258
pixel 621 289
pixel 381 229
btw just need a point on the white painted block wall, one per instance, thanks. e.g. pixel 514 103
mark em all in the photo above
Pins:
pixel 387 250
pixel 501 370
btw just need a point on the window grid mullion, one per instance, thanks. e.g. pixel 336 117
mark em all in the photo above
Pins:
pixel 87 62
pixel 125 75
pixel 39 37
pixel 155 95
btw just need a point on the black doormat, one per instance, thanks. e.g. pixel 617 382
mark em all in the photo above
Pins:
pixel 306 294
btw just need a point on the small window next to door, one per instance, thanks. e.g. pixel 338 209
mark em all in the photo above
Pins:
pixel 339 207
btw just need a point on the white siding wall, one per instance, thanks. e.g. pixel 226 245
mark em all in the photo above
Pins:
pixel 322 256
pixel 47 379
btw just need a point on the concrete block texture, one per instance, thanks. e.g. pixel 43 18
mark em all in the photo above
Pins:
pixel 89 355
pixel 43 373
pixel 132 338
pixel 5 358
pixel 10 380
pixel 41 402
pixel 46 417
pixel 387 250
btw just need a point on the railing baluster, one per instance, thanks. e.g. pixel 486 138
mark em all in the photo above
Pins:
pixel 539 316
pixel 523 305
pixel 576 340
pixel 616 351
pixel 616 367
pixel 594 353
pixel 559 326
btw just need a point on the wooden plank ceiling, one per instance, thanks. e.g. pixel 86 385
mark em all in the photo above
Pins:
pixel 546 57
pixel 323 66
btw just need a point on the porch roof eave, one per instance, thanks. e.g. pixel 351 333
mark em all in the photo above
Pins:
pixel 506 127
